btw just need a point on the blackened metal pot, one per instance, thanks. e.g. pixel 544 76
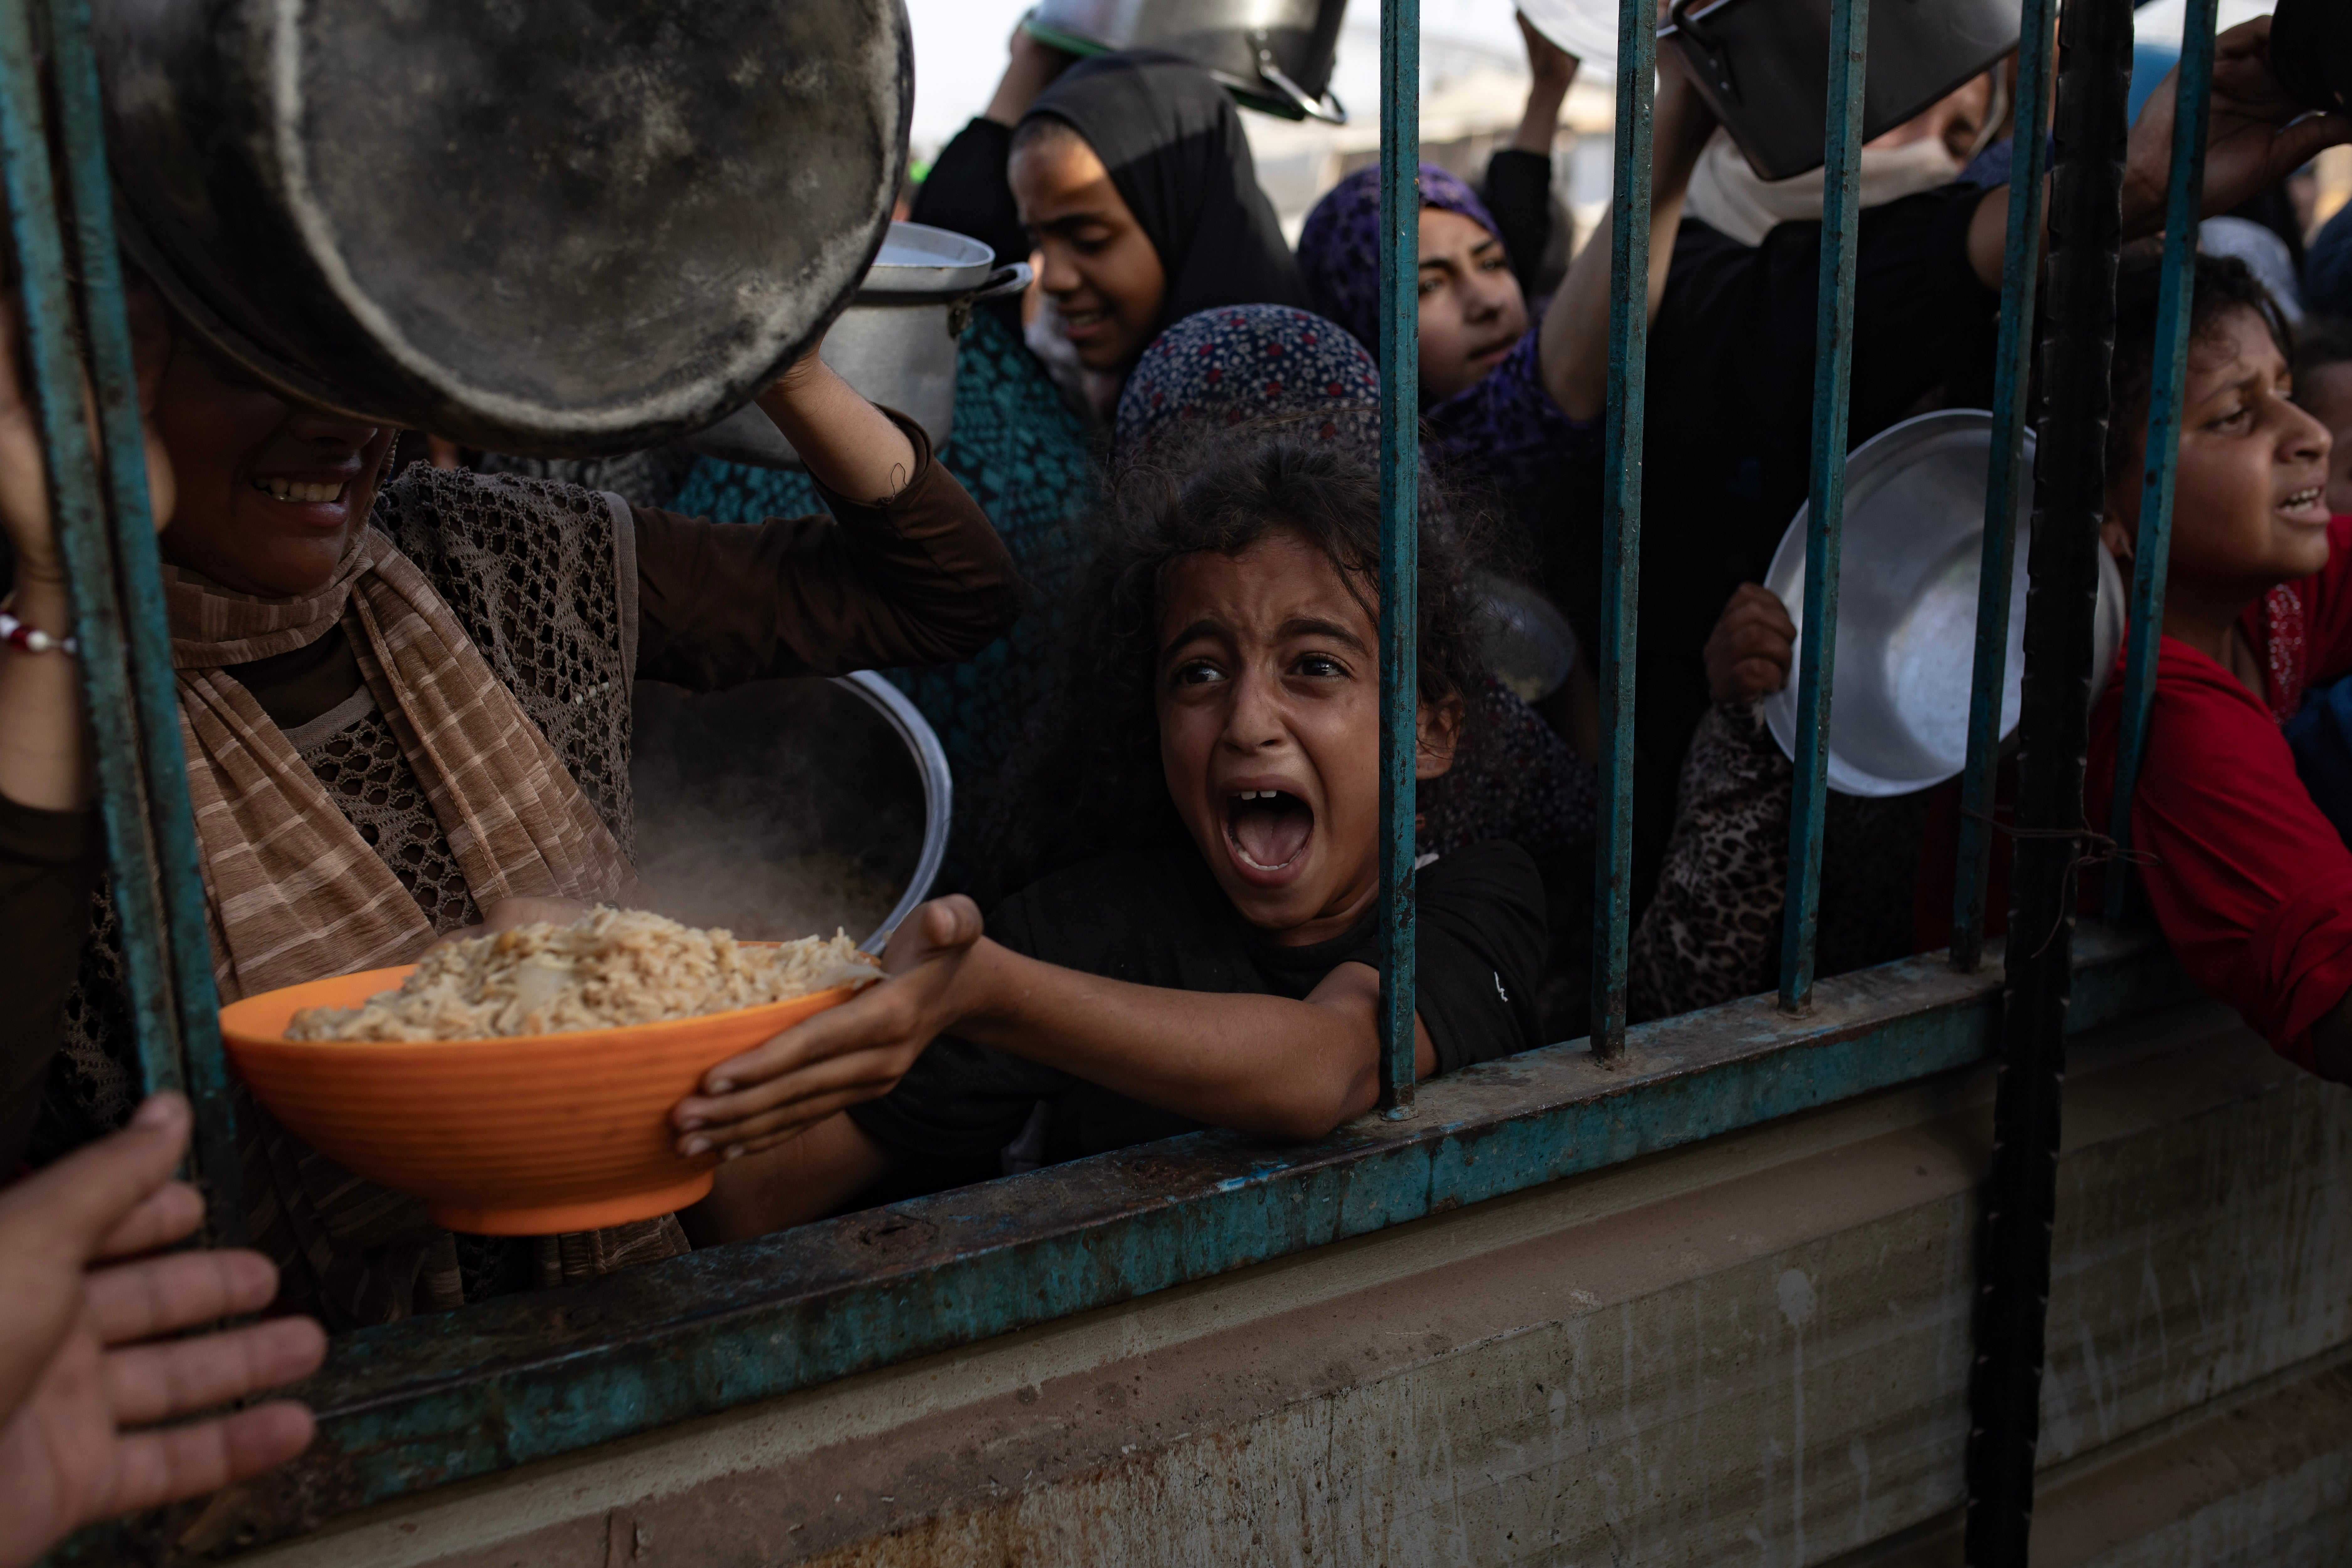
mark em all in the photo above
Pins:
pixel 1763 66
pixel 1272 55
pixel 559 227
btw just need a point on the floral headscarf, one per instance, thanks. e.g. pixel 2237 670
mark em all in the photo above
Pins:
pixel 1240 362
pixel 1339 248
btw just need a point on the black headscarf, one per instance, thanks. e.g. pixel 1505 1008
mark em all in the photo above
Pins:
pixel 1172 141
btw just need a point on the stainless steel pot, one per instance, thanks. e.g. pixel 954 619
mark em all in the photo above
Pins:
pixel 1908 574
pixel 566 227
pixel 896 342
pixel 1272 55
pixel 1763 65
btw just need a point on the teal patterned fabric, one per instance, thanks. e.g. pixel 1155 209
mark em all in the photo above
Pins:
pixel 1029 461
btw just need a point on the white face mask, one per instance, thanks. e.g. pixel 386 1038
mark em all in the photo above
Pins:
pixel 1727 195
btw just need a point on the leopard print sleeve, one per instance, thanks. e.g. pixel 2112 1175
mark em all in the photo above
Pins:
pixel 1708 934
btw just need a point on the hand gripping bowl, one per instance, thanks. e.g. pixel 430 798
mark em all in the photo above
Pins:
pixel 529 1135
pixel 1914 537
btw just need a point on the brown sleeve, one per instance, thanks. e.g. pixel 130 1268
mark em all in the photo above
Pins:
pixel 50 863
pixel 921 579
pixel 1711 930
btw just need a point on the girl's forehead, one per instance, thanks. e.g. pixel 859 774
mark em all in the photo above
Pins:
pixel 1444 231
pixel 2235 344
pixel 1271 581
pixel 1055 167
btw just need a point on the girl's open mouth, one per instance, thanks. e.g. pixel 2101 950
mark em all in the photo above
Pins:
pixel 2305 500
pixel 1268 830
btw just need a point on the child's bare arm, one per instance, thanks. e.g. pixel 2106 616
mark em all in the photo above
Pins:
pixel 1259 1064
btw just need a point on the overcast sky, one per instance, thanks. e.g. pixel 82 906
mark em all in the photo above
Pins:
pixel 959 44
pixel 960 48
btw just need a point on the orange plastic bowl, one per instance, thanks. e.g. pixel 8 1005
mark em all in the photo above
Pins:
pixel 526 1135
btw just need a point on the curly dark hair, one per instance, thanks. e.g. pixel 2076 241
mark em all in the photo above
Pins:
pixel 2320 341
pixel 1088 779
pixel 2223 283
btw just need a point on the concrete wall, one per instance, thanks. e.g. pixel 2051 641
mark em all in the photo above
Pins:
pixel 1753 1351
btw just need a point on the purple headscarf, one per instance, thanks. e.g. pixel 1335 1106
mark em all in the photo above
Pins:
pixel 1339 248
pixel 1240 362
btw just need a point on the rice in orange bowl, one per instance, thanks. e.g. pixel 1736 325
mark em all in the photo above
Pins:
pixel 556 1116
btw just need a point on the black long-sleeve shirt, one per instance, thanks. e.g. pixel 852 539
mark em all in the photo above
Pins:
pixel 1728 435
pixel 1518 195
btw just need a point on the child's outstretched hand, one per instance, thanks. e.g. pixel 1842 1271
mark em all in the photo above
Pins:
pixel 1751 647
pixel 87 1349
pixel 854 1052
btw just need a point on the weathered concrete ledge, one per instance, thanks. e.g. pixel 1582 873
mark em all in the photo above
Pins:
pixel 1752 1349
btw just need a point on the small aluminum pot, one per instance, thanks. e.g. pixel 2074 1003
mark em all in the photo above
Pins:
pixel 1763 67
pixel 1908 576
pixel 1271 55
pixel 895 344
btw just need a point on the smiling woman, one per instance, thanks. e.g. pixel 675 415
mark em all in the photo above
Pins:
pixel 1132 173
pixel 404 702
pixel 1204 948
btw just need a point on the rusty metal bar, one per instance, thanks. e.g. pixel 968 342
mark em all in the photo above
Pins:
pixel 2152 552
pixel 1825 506
pixel 1400 309
pixel 2020 277
pixel 1620 548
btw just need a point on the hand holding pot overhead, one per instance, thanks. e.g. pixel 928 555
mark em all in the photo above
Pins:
pixel 2257 136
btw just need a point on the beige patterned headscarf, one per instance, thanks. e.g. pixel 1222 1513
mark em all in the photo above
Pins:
pixel 294 892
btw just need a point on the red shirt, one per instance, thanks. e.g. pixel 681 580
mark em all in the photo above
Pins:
pixel 2252 886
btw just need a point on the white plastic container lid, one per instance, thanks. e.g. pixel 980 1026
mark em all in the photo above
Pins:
pixel 1585 29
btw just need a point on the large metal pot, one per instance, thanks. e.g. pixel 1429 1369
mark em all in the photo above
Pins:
pixel 569 227
pixel 1908 574
pixel 1763 65
pixel 784 807
pixel 896 343
pixel 1272 55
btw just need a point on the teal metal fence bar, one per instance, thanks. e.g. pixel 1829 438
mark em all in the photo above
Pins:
pixel 79 344
pixel 1826 508
pixel 1621 548
pixel 1400 307
pixel 2013 387
pixel 2152 553
pixel 114 383
pixel 46 291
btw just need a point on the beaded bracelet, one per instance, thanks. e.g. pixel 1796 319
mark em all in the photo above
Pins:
pixel 29 639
